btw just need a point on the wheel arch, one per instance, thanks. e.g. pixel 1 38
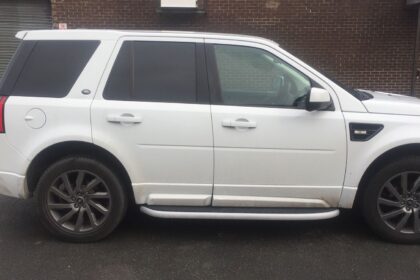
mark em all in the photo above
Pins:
pixel 382 160
pixel 57 151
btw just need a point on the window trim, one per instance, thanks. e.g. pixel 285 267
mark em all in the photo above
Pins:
pixel 201 80
pixel 214 80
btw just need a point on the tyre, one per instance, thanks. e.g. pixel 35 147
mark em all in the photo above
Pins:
pixel 80 200
pixel 391 202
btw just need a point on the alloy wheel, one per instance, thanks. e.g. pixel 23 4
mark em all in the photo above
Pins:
pixel 79 201
pixel 398 203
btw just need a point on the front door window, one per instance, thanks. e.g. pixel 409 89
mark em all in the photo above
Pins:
pixel 254 77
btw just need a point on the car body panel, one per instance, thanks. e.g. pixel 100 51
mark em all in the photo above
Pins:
pixel 276 159
pixel 66 119
pixel 399 130
pixel 394 104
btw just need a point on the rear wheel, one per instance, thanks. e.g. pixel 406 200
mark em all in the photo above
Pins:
pixel 391 204
pixel 80 199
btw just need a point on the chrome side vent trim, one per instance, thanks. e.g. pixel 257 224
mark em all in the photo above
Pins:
pixel 362 132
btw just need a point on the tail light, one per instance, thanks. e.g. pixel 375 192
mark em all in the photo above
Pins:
pixel 2 105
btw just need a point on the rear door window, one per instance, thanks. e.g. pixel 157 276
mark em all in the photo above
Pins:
pixel 48 69
pixel 154 72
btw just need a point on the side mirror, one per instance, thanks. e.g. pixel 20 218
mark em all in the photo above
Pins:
pixel 319 99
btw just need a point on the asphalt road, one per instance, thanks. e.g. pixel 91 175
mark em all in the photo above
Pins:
pixel 146 248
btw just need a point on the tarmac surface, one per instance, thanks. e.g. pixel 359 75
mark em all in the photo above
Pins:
pixel 148 248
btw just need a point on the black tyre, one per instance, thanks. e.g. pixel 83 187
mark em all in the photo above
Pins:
pixel 80 200
pixel 391 202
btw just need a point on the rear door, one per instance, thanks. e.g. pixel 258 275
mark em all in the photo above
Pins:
pixel 152 111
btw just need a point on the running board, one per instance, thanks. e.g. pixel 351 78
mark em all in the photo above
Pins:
pixel 236 213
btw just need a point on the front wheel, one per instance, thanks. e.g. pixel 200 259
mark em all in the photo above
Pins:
pixel 80 199
pixel 391 202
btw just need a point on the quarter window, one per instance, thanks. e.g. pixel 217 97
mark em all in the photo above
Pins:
pixel 254 77
pixel 154 72
pixel 49 69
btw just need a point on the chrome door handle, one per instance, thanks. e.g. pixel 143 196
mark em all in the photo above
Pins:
pixel 124 118
pixel 239 123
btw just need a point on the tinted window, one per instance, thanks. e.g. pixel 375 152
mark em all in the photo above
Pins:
pixel 52 68
pixel 254 77
pixel 15 67
pixel 154 72
pixel 119 85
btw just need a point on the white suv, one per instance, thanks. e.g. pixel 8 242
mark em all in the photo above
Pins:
pixel 199 126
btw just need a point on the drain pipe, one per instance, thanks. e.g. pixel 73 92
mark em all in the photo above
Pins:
pixel 416 51
pixel 415 4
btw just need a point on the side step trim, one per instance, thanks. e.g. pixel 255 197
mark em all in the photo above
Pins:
pixel 240 216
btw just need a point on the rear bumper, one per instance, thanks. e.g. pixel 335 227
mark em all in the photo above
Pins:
pixel 13 185
pixel 13 166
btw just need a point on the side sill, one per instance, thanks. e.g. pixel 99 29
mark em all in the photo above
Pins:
pixel 257 201
pixel 207 214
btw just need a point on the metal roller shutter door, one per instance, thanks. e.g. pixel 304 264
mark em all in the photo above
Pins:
pixel 19 15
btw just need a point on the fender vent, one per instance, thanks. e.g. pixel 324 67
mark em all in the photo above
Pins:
pixel 361 132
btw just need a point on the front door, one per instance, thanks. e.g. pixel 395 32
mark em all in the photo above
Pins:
pixel 269 150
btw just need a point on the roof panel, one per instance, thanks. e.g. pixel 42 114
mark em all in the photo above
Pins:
pixel 101 34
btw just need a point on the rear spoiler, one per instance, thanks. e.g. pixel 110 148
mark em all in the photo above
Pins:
pixel 21 34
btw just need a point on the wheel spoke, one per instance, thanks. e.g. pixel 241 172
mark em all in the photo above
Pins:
pixel 98 195
pixel 60 194
pixel 79 180
pixel 98 207
pixel 66 182
pixel 392 189
pixel 91 216
pixel 92 184
pixel 388 202
pixel 404 183
pixel 417 221
pixel 392 214
pixel 79 221
pixel 416 185
pixel 67 217
pixel 60 206
pixel 403 222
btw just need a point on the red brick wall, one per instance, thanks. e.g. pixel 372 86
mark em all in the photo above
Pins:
pixel 364 43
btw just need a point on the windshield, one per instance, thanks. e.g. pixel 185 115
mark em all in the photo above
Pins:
pixel 361 95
